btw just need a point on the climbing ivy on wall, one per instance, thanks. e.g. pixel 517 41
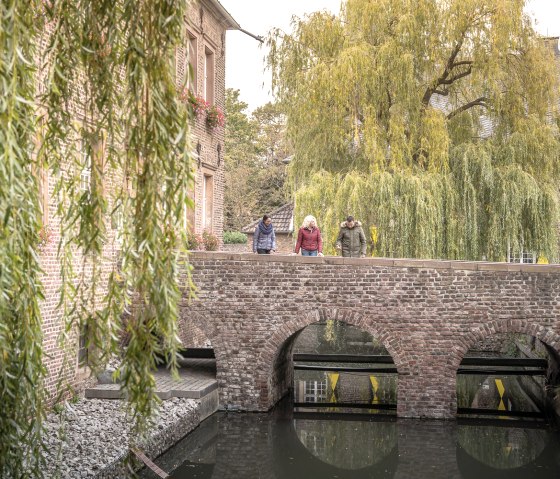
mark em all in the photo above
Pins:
pixel 387 103
pixel 109 97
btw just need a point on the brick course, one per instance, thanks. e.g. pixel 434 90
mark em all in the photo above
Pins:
pixel 426 313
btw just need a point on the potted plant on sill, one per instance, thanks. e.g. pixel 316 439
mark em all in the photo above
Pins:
pixel 215 117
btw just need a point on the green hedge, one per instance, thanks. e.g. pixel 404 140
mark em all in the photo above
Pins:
pixel 234 237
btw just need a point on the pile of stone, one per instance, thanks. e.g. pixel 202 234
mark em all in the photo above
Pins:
pixel 89 438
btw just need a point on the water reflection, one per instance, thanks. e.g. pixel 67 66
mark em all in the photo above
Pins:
pixel 499 392
pixel 502 447
pixel 347 388
pixel 334 441
pixel 287 445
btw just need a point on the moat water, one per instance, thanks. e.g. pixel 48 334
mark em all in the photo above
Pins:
pixel 343 425
pixel 283 444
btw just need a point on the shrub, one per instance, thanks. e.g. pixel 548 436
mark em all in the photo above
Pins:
pixel 234 237
pixel 210 241
pixel 194 242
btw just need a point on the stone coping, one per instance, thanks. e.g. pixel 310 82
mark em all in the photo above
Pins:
pixel 390 262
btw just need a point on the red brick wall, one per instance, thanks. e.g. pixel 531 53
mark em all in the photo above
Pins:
pixel 427 314
pixel 211 33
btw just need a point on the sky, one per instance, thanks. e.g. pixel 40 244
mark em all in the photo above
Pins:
pixel 245 57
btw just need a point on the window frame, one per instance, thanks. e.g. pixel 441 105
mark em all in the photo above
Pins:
pixel 208 201
pixel 209 75
pixel 191 61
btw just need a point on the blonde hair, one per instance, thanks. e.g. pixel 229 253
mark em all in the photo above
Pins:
pixel 308 219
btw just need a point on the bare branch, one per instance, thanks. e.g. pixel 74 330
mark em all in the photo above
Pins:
pixel 448 67
pixel 453 79
pixel 482 101
pixel 463 62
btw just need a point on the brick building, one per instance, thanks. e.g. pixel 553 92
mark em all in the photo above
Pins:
pixel 204 49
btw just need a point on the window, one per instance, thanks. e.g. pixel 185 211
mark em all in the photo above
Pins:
pixel 209 76
pixel 207 202
pixel 525 257
pixel 42 174
pixel 86 162
pixel 315 391
pixel 82 347
pixel 92 155
pixel 189 212
pixel 192 62
pixel 117 221
pixel 43 180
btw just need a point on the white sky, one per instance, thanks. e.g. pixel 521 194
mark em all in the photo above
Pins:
pixel 245 59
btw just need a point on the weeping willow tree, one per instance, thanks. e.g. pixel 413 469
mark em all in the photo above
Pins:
pixel 435 122
pixel 107 104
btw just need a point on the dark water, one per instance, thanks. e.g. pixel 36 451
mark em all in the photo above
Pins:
pixel 287 445
pixel 325 438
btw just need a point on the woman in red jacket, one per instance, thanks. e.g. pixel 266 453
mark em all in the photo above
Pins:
pixel 309 238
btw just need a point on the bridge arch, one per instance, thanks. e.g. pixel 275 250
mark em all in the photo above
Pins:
pixel 274 365
pixel 496 328
pixel 523 326
pixel 193 319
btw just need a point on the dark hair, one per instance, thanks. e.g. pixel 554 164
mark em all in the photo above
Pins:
pixel 349 218
pixel 265 217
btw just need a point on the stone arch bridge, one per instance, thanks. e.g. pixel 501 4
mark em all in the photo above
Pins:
pixel 427 314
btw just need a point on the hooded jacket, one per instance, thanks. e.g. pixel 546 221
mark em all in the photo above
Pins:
pixel 351 240
pixel 262 240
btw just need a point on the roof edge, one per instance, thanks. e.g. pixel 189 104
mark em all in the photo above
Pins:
pixel 230 21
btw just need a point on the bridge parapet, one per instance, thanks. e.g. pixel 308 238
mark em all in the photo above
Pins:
pixel 375 261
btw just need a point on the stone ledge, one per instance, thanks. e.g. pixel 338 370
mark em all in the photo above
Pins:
pixel 113 391
pixel 376 262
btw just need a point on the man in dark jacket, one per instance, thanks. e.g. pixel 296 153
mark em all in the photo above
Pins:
pixel 351 239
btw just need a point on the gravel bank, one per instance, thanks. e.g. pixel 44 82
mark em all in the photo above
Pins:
pixel 89 439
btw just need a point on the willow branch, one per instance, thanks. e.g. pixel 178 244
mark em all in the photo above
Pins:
pixel 482 101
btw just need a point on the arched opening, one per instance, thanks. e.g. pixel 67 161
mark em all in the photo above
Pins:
pixel 339 367
pixel 508 375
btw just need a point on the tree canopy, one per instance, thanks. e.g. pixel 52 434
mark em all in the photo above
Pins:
pixel 255 149
pixel 434 121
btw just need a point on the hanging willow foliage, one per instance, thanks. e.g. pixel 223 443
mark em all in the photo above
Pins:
pixel 475 211
pixel 114 136
pixel 391 99
pixel 21 367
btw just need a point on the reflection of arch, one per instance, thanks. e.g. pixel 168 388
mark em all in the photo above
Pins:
pixel 544 334
pixel 489 453
pixel 292 459
pixel 349 445
pixel 272 366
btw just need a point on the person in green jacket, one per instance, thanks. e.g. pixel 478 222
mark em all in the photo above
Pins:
pixel 351 239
